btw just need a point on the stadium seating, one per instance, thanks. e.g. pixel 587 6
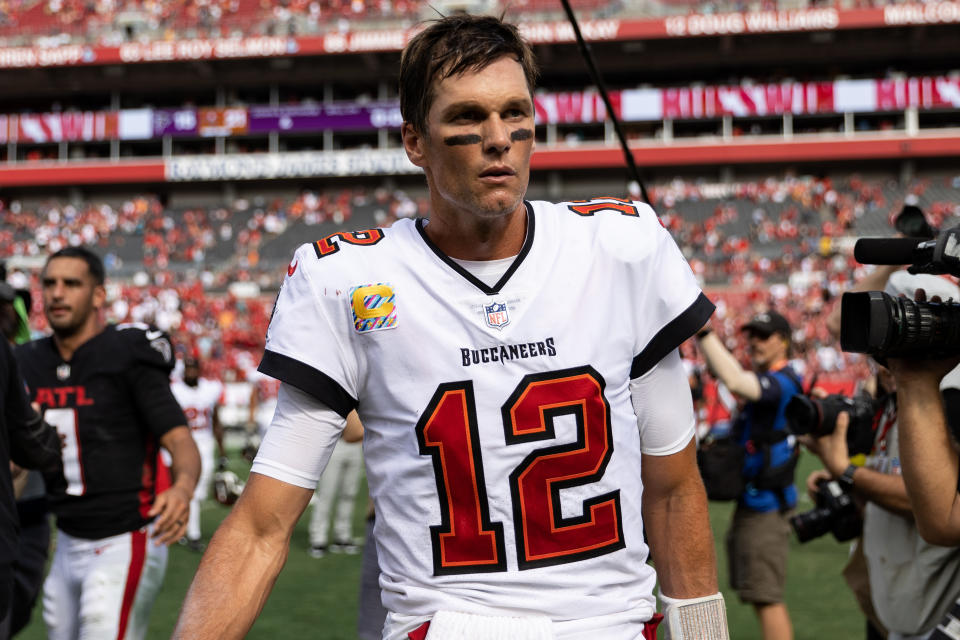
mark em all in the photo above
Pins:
pixel 113 21
pixel 754 243
pixel 753 231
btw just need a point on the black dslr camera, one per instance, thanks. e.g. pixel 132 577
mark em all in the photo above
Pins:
pixel 835 513
pixel 878 324
pixel 818 417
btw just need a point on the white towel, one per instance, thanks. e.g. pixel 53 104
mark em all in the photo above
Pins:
pixel 453 625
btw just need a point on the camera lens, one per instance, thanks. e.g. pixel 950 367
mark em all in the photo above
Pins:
pixel 816 416
pixel 802 415
pixel 926 326
pixel 812 524
pixel 883 326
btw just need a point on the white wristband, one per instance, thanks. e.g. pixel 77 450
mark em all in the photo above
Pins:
pixel 702 618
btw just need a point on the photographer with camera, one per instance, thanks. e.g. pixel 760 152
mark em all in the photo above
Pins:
pixel 759 534
pixel 912 582
pixel 931 465
pixel 929 411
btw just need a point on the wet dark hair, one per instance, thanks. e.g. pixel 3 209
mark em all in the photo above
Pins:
pixel 94 263
pixel 450 46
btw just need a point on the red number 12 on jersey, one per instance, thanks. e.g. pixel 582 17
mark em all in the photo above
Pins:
pixel 466 541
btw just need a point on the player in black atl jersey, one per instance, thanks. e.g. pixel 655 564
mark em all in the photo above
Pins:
pixel 106 390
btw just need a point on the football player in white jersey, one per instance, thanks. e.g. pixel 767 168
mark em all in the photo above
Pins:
pixel 199 398
pixel 515 366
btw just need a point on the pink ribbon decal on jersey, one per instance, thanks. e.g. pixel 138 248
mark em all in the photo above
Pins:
pixel 138 555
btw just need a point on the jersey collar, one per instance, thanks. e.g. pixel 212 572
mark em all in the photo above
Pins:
pixel 779 364
pixel 82 347
pixel 469 277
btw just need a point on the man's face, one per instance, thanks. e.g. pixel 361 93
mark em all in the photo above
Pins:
pixel 70 296
pixel 191 374
pixel 479 138
pixel 765 348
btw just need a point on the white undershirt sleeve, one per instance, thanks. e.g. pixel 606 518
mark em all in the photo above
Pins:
pixel 664 407
pixel 300 439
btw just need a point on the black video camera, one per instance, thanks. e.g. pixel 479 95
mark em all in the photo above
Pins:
pixel 878 324
pixel 836 513
pixel 818 417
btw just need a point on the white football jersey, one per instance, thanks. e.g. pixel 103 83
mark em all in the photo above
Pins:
pixel 502 447
pixel 199 403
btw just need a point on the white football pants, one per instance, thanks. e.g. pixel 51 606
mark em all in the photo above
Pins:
pixel 338 484
pixel 206 444
pixel 103 589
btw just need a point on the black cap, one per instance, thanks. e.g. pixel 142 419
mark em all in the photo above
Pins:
pixel 191 361
pixel 768 323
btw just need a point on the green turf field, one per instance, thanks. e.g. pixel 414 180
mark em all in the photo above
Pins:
pixel 318 598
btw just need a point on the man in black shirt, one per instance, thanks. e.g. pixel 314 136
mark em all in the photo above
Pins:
pixel 106 390
pixel 29 443
pixel 30 556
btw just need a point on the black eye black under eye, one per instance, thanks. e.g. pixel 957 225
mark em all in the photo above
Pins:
pixel 467 138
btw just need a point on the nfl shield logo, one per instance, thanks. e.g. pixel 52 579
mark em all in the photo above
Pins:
pixel 63 372
pixel 496 315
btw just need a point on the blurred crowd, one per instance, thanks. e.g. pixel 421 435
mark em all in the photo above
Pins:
pixel 194 301
pixel 112 22
pixel 794 227
pixel 743 234
pixel 793 230
pixel 183 264
pixel 227 331
pixel 229 238
pixel 815 352
pixel 224 330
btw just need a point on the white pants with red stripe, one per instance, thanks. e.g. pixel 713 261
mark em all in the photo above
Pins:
pixel 102 589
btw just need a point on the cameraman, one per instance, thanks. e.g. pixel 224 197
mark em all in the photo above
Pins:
pixel 912 582
pixel 759 535
pixel 929 403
